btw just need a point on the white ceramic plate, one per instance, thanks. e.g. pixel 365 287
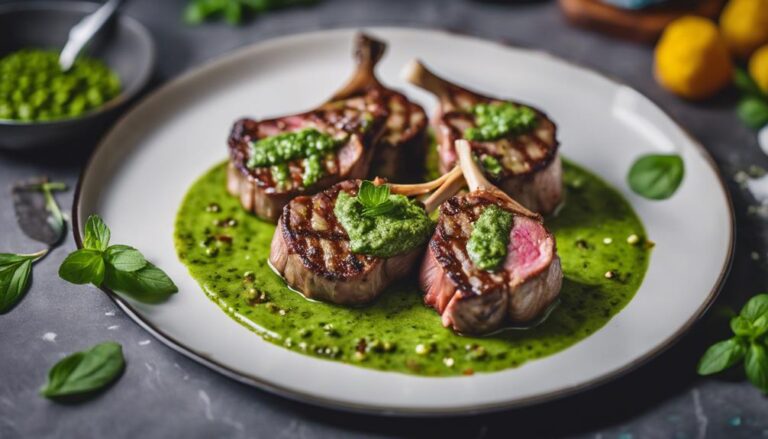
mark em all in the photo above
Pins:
pixel 138 175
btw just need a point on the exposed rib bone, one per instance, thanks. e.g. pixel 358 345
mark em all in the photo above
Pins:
pixel 411 190
pixel 452 185
pixel 417 74
pixel 476 180
pixel 368 52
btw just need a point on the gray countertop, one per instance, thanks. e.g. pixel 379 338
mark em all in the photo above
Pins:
pixel 163 394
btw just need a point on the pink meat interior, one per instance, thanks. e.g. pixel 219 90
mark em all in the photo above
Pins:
pixel 529 251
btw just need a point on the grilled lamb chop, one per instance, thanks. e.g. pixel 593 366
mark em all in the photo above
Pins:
pixel 356 120
pixel 311 249
pixel 476 301
pixel 526 165
pixel 401 150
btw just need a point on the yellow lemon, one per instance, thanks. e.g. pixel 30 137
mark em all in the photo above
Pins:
pixel 692 59
pixel 744 25
pixel 758 68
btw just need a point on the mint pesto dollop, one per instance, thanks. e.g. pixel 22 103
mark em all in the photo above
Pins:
pixel 487 245
pixel 496 120
pixel 276 151
pixel 392 226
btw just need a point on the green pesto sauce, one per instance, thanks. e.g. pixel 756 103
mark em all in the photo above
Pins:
pixel 499 119
pixel 276 151
pixel 33 87
pixel 487 245
pixel 395 232
pixel 226 251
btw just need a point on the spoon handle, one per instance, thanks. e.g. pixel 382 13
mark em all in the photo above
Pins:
pixel 83 31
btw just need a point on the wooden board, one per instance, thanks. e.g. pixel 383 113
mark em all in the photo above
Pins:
pixel 642 25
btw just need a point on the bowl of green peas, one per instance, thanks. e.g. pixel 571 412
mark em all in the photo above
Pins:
pixel 42 106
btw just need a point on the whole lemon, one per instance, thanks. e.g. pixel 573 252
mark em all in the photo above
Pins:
pixel 758 68
pixel 692 59
pixel 744 24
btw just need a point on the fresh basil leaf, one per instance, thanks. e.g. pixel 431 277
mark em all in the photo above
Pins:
pixel 83 266
pixel 756 366
pixel 37 212
pixel 7 259
pixel 97 234
pixel 753 111
pixel 125 258
pixel 14 280
pixel 741 326
pixel 721 356
pixel 149 284
pixel 656 176
pixel 755 308
pixel 745 83
pixel 84 372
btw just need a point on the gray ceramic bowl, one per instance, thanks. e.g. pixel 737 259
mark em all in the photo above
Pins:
pixel 123 44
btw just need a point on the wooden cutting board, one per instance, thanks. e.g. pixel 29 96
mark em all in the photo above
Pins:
pixel 642 25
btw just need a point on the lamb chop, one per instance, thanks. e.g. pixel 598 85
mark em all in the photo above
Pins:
pixel 515 143
pixel 401 150
pixel 313 251
pixel 520 288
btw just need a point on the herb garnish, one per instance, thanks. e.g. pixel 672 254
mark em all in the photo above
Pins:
pixel 37 212
pixel 749 343
pixel 499 119
pixel 656 176
pixel 233 10
pixel 375 199
pixel 15 270
pixel 753 106
pixel 85 372
pixel 117 267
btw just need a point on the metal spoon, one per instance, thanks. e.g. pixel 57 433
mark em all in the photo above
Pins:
pixel 83 31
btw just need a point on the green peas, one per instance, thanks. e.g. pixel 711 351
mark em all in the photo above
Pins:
pixel 33 87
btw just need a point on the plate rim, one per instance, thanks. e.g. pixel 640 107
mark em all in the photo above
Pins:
pixel 294 395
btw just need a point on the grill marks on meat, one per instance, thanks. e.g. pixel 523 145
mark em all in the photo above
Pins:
pixel 531 167
pixel 311 250
pixel 401 150
pixel 475 301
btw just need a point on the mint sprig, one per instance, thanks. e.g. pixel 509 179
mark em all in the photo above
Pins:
pixel 118 267
pixel 375 199
pixel 748 343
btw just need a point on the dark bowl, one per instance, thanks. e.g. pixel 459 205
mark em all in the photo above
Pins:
pixel 123 44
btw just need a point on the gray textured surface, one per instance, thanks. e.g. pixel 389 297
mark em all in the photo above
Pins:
pixel 162 394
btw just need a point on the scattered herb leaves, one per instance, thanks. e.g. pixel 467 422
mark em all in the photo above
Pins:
pixel 233 11
pixel 656 176
pixel 15 271
pixel 85 372
pixel 753 106
pixel 37 212
pixel 748 343
pixel 118 267
pixel 375 199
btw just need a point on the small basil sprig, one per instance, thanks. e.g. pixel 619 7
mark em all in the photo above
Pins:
pixel 118 267
pixel 375 199
pixel 198 11
pixel 85 372
pixel 656 176
pixel 753 106
pixel 748 343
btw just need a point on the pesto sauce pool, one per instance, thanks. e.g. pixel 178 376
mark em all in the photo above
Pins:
pixel 226 251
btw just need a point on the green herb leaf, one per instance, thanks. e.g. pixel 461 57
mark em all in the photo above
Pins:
pixel 756 366
pixel 656 176
pixel 375 199
pixel 37 212
pixel 149 284
pixel 14 279
pixel 97 234
pixel 721 356
pixel 746 84
pixel 753 111
pixel 755 308
pixel 83 266
pixel 125 258
pixel 84 372
pixel 741 326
